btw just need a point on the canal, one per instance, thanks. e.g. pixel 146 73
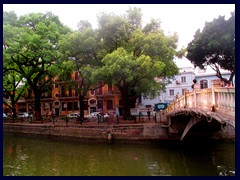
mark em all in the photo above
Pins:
pixel 28 156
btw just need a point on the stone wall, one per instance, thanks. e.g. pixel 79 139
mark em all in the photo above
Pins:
pixel 115 133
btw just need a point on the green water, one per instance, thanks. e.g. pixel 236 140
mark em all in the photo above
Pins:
pixel 25 156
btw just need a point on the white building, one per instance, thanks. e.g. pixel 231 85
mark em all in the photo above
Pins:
pixel 183 82
pixel 205 79
pixel 177 86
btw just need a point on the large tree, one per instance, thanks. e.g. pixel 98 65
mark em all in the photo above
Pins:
pixel 30 48
pixel 79 51
pixel 133 56
pixel 215 46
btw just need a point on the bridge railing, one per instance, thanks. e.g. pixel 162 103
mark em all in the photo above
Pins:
pixel 219 99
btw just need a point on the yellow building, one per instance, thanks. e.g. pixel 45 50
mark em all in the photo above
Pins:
pixel 65 100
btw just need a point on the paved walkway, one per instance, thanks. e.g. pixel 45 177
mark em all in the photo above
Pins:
pixel 72 122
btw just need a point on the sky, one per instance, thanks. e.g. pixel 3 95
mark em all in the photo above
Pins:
pixel 184 19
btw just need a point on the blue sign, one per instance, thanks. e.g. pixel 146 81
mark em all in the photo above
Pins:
pixel 161 106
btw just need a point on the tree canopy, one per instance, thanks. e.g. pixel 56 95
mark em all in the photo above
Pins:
pixel 134 55
pixel 215 46
pixel 30 48
pixel 121 51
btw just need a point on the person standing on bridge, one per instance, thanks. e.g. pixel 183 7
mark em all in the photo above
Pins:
pixel 194 82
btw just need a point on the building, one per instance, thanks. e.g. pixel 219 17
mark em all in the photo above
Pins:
pixel 178 85
pixel 64 99
pixel 183 82
pixel 205 79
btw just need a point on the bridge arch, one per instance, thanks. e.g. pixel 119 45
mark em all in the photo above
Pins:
pixel 215 104
pixel 210 121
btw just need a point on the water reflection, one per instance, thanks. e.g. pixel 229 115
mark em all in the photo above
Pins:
pixel 38 157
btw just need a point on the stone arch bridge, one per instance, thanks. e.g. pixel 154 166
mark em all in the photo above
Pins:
pixel 204 113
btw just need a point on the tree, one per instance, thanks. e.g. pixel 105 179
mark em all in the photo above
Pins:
pixel 133 57
pixel 14 89
pixel 80 47
pixel 132 75
pixel 215 46
pixel 31 49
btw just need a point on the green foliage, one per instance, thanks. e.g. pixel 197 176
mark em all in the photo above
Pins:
pixel 120 51
pixel 137 73
pixel 30 49
pixel 215 46
pixel 133 56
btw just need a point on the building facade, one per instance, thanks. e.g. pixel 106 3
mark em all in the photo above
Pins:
pixel 177 86
pixel 183 83
pixel 64 99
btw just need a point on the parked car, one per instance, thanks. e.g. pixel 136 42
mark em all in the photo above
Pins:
pixel 30 115
pixel 23 115
pixel 93 115
pixel 73 115
pixel 4 115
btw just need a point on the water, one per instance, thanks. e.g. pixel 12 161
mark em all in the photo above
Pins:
pixel 25 156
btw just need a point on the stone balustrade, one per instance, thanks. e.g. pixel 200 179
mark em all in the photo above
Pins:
pixel 222 99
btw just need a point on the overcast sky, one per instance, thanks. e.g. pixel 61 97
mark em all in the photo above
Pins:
pixel 184 19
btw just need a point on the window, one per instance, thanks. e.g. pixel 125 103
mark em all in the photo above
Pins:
pixel 92 101
pixel 76 90
pixel 92 92
pixel 183 79
pixel 75 105
pixel 100 104
pixel 63 106
pixel 100 89
pixel 70 92
pixel 203 84
pixel 171 92
pixel 63 91
pixel 110 88
pixel 69 106
pixel 109 104
pixel 85 105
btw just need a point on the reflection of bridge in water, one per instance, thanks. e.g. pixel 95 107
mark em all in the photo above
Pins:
pixel 202 113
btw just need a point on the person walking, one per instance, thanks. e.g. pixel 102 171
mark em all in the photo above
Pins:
pixel 154 116
pixel 115 116
pixel 53 116
pixel 99 117
pixel 148 113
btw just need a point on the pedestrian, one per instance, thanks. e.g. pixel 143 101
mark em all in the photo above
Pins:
pixel 81 119
pixel 148 113
pixel 56 115
pixel 194 82
pixel 53 115
pixel 99 117
pixel 116 116
pixel 154 115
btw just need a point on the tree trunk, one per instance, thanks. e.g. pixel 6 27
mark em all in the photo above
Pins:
pixel 126 109
pixel 37 95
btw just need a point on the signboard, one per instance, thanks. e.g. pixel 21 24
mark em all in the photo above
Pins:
pixel 161 106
